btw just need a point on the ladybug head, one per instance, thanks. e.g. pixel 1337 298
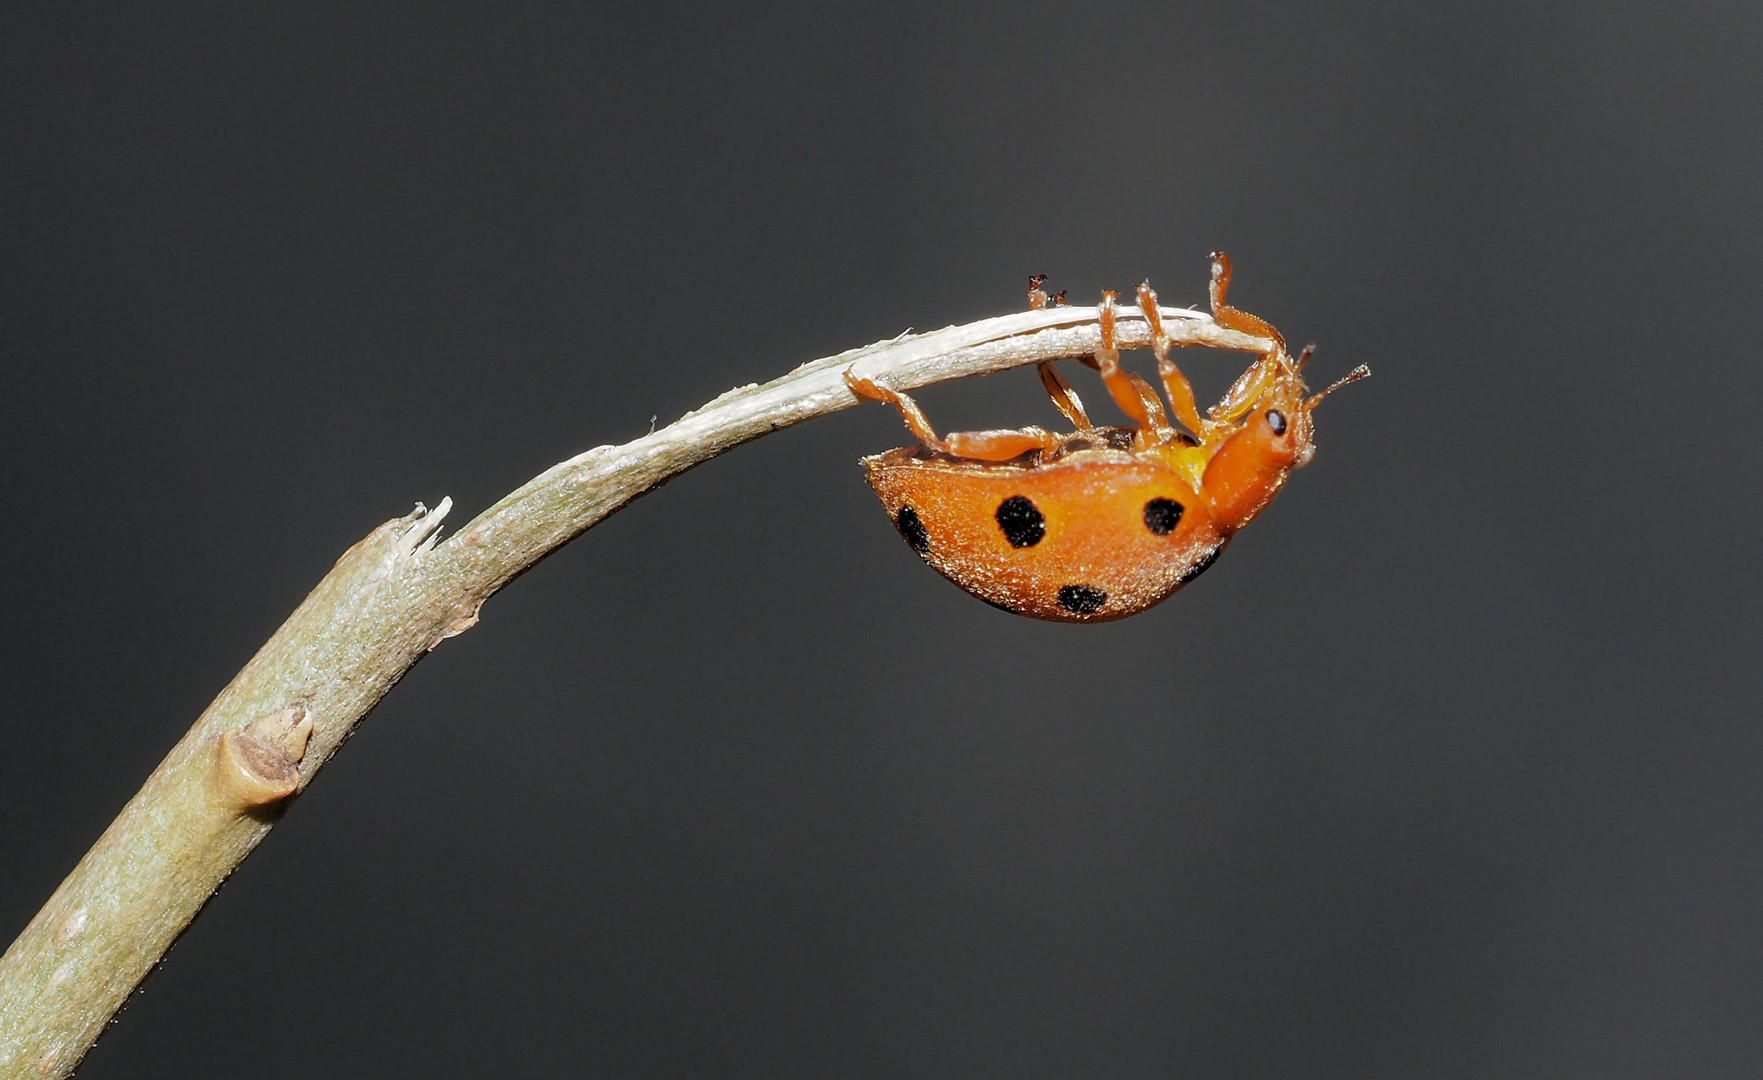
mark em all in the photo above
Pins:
pixel 1280 427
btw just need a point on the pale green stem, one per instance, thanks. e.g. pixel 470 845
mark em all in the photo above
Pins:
pixel 390 599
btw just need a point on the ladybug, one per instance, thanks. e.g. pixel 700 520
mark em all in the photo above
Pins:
pixel 1102 522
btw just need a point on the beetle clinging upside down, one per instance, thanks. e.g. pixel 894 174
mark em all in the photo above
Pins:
pixel 1105 521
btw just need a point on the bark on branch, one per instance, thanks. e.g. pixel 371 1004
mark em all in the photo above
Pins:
pixel 390 599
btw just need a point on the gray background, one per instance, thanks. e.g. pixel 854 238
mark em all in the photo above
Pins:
pixel 1449 768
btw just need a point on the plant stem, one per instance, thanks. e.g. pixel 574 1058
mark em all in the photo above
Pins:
pixel 389 600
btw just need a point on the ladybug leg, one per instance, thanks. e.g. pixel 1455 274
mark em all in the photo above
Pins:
pixel 1065 399
pixel 1250 385
pixel 1037 296
pixel 1133 394
pixel 1246 391
pixel 909 410
pixel 1000 444
pixel 997 445
pixel 1175 384
pixel 1234 318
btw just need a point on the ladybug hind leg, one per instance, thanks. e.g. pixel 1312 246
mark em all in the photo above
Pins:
pixel 1000 444
pixel 909 410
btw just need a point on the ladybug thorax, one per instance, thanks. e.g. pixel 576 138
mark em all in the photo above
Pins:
pixel 1189 462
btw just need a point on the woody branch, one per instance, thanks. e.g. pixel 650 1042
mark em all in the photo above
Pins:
pixel 388 601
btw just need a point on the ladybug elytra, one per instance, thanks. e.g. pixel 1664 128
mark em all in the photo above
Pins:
pixel 1102 522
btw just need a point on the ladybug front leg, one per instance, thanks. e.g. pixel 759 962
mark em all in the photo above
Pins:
pixel 1247 390
pixel 1251 384
pixel 1235 318
pixel 1000 444
pixel 1133 394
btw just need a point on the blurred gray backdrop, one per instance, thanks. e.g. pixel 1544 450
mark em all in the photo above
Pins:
pixel 1450 768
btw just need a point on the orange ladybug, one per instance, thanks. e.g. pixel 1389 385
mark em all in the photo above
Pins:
pixel 1103 522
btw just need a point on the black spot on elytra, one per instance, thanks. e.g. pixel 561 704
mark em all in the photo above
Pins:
pixel 1162 516
pixel 1082 599
pixel 912 529
pixel 1021 521
pixel 1199 568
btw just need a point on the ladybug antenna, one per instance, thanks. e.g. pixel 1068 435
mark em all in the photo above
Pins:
pixel 1361 372
pixel 1304 357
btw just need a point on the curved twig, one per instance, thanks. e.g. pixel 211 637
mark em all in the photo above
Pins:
pixel 390 599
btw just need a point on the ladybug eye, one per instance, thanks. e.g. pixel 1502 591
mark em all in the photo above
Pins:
pixel 1277 421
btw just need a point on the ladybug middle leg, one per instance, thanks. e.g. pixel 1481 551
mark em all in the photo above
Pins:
pixel 1065 399
pixel 1175 384
pixel 1133 394
pixel 999 444
pixel 1037 296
